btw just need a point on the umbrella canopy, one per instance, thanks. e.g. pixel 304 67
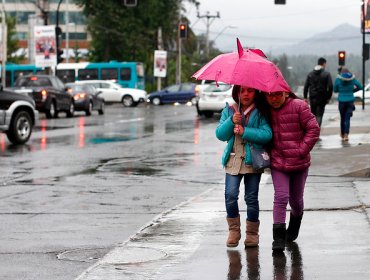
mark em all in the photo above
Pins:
pixel 247 68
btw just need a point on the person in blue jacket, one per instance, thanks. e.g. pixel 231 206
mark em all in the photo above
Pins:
pixel 345 84
pixel 241 125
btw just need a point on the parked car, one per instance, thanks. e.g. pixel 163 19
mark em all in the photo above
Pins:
pixel 114 92
pixel 199 89
pixel 17 116
pixel 49 93
pixel 213 99
pixel 358 94
pixel 180 93
pixel 86 98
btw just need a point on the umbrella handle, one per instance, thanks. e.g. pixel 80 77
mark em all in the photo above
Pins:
pixel 240 92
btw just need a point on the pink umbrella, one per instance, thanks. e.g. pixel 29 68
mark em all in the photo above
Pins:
pixel 246 68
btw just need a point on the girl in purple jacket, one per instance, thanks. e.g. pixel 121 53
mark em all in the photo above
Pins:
pixel 295 132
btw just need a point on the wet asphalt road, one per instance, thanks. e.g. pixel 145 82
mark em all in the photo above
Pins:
pixel 82 186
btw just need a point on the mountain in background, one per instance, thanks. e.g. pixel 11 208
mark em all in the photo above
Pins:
pixel 344 37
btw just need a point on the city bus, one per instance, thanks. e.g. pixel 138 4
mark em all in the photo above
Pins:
pixel 127 74
pixel 13 71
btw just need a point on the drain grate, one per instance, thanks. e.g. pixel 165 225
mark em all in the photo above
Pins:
pixel 84 255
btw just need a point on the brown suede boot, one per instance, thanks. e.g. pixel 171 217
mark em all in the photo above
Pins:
pixel 252 238
pixel 234 232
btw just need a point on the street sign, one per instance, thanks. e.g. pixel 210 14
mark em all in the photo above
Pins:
pixel 45 46
pixel 160 64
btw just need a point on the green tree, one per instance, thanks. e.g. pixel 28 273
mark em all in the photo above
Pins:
pixel 12 41
pixel 130 33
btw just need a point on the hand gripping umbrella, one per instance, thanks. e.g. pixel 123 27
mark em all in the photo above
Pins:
pixel 248 67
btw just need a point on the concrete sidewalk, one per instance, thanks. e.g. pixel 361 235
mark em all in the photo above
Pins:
pixel 188 241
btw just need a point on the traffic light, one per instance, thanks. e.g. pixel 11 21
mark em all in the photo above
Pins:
pixel 341 58
pixel 183 30
pixel 59 56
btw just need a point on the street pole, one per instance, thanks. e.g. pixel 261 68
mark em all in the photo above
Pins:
pixel 4 43
pixel 209 20
pixel 180 46
pixel 67 31
pixel 363 54
pixel 160 47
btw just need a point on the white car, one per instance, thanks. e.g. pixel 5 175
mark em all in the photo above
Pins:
pixel 358 94
pixel 213 99
pixel 114 92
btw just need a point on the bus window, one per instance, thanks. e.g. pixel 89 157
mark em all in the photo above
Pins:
pixel 140 70
pixel 109 74
pixel 125 74
pixel 88 74
pixel 8 79
pixel 19 73
pixel 67 76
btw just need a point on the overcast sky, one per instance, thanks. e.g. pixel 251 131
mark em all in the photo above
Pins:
pixel 262 24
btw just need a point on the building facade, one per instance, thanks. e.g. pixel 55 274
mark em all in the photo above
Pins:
pixel 44 12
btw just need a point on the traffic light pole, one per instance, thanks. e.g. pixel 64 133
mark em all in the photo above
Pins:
pixel 363 54
pixel 58 34
pixel 4 45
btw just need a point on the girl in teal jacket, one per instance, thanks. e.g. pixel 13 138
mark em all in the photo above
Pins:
pixel 345 84
pixel 240 128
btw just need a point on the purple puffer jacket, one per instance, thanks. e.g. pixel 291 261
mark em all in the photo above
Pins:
pixel 295 132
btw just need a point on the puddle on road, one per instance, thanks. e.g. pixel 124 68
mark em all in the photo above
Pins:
pixel 102 140
pixel 335 142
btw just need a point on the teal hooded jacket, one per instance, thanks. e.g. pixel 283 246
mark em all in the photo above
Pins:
pixel 257 132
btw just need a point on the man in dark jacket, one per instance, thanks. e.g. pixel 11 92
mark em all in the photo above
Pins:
pixel 319 85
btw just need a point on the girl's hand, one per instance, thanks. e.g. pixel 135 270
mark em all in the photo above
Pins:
pixel 238 129
pixel 237 118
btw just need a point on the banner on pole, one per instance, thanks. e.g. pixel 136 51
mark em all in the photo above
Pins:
pixel 45 46
pixel 160 64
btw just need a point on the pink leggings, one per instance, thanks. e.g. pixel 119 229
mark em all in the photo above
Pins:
pixel 289 187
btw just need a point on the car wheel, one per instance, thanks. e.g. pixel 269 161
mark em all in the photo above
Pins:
pixel 127 101
pixel 102 108
pixel 52 112
pixel 71 111
pixel 156 101
pixel 208 114
pixel 20 128
pixel 89 109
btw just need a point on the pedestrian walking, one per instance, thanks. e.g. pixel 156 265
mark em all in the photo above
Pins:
pixel 295 132
pixel 345 84
pixel 319 88
pixel 241 126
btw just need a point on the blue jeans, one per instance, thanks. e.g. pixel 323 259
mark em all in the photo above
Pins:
pixel 251 188
pixel 345 110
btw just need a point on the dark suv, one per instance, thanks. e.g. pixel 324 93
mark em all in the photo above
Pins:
pixel 49 93
pixel 17 116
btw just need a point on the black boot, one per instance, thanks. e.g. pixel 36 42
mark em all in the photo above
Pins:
pixel 279 235
pixel 293 228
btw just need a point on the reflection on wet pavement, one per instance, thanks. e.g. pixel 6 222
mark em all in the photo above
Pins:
pixel 335 142
pixel 235 265
pixel 124 130
pixel 285 265
pixel 253 263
